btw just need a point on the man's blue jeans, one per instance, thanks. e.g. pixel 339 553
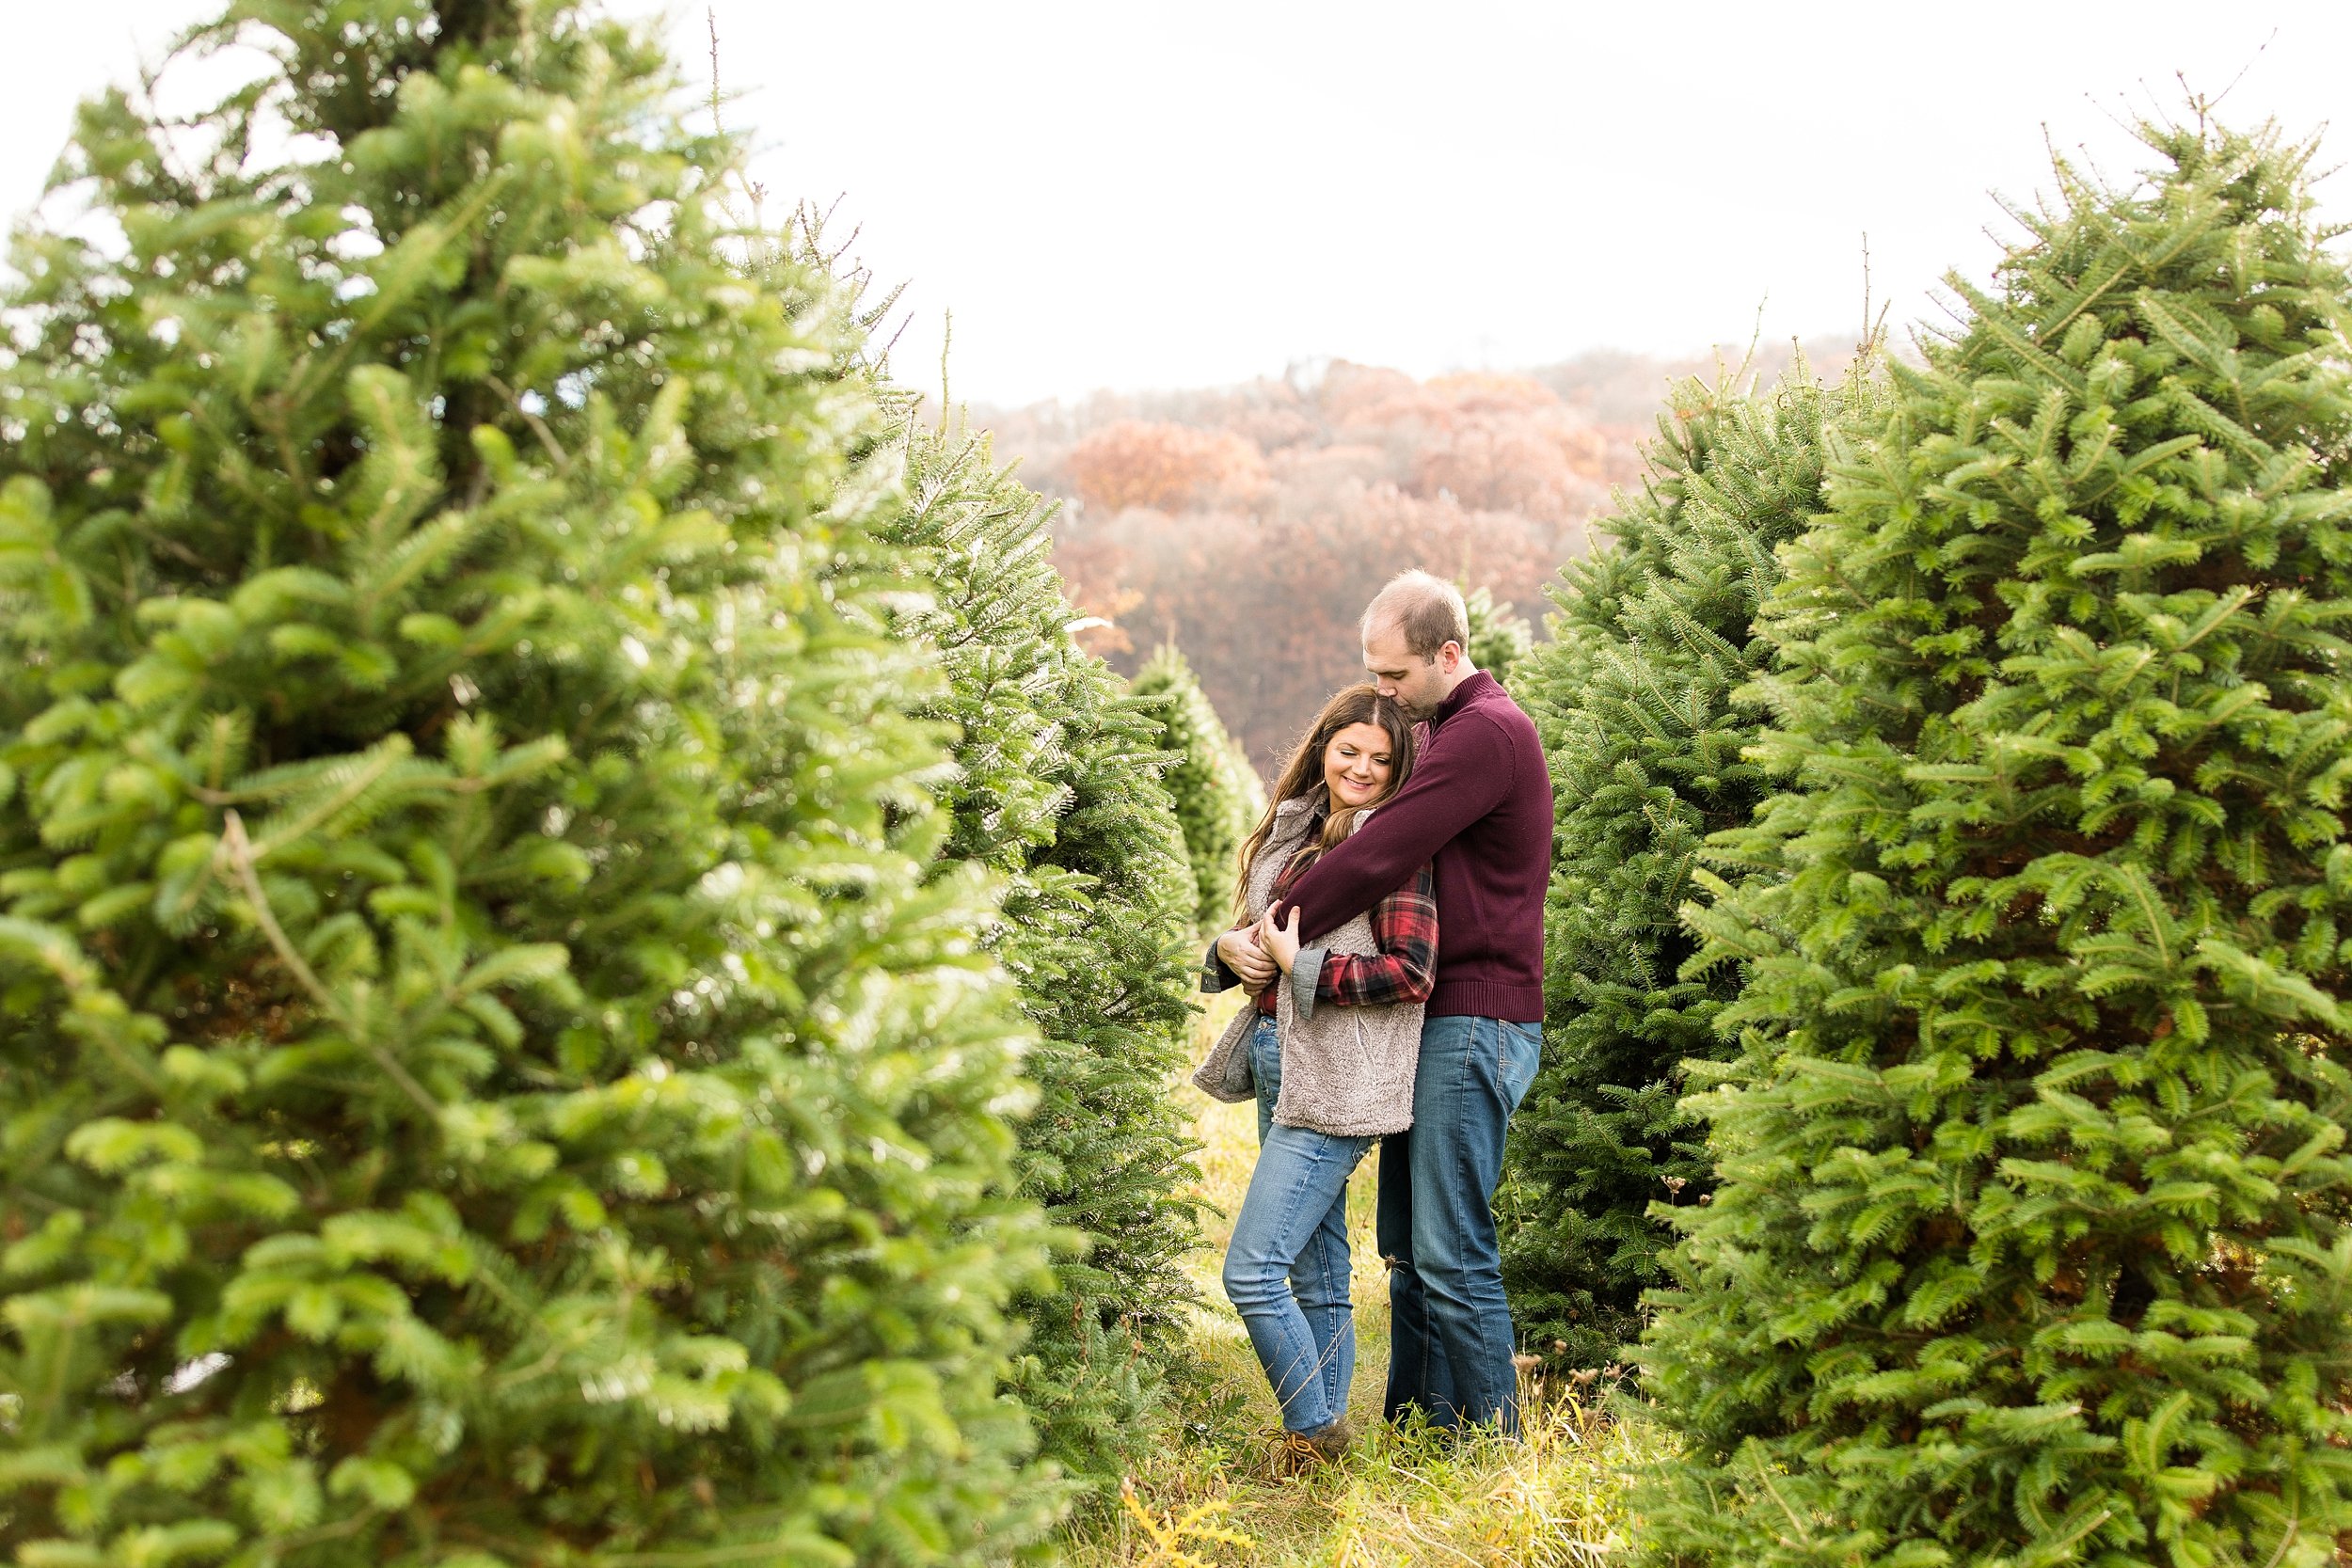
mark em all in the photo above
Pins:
pixel 1452 1340
pixel 1286 1269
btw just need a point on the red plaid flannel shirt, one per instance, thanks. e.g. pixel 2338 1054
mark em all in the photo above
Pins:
pixel 1405 927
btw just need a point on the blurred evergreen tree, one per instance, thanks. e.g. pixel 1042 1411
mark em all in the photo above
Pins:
pixel 1218 796
pixel 1057 785
pixel 489 1073
pixel 1633 698
pixel 1498 638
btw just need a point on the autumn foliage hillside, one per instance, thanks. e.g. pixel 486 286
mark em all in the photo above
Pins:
pixel 1250 524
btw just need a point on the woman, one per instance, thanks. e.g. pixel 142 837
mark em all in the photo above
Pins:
pixel 1328 1050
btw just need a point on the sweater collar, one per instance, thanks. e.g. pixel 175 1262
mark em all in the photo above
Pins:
pixel 1304 814
pixel 1477 685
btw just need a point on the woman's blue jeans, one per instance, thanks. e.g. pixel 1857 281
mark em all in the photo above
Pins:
pixel 1286 1270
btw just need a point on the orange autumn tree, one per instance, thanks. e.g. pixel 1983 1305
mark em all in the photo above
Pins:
pixel 1160 466
pixel 1252 523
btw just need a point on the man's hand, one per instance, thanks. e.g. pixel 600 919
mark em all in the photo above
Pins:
pixel 1241 953
pixel 1280 941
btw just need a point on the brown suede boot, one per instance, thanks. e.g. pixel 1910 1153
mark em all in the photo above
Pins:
pixel 1304 1452
pixel 1333 1441
pixel 1293 1456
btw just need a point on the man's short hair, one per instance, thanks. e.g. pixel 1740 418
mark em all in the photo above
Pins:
pixel 1427 608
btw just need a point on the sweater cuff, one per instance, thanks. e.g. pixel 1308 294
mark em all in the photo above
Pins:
pixel 1214 975
pixel 1306 969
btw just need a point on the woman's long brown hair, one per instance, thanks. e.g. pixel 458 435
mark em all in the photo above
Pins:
pixel 1302 776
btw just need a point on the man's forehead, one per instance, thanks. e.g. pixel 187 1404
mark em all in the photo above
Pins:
pixel 1387 649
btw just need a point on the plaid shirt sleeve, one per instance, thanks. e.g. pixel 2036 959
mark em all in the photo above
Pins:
pixel 1405 925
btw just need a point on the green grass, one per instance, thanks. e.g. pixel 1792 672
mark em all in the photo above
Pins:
pixel 1401 1498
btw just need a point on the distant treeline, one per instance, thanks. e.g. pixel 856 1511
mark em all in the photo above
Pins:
pixel 1250 523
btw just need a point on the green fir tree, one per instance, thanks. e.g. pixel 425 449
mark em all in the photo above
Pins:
pixel 1057 786
pixel 1633 698
pixel 1498 638
pixel 488 1073
pixel 1218 796
pixel 2029 1247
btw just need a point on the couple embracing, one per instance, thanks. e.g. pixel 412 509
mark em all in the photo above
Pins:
pixel 1389 933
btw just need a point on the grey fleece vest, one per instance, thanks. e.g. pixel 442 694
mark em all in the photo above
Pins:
pixel 1347 1072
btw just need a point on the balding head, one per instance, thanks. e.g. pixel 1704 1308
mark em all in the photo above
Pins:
pixel 1416 637
pixel 1427 611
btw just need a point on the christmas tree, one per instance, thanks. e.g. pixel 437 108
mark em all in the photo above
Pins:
pixel 1634 699
pixel 2031 1244
pixel 1057 786
pixel 489 1073
pixel 1217 794
pixel 1498 638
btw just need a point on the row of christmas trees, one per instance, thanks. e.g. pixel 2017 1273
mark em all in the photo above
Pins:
pixel 589 974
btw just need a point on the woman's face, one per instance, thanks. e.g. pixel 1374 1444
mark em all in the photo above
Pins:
pixel 1356 764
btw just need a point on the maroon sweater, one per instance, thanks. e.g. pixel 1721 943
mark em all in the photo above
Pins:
pixel 1479 805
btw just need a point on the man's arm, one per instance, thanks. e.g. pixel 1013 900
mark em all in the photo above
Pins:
pixel 1461 779
pixel 1405 927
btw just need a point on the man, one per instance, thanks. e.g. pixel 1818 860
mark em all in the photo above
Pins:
pixel 1479 806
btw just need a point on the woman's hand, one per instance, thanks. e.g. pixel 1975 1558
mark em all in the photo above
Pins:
pixel 1241 954
pixel 1280 941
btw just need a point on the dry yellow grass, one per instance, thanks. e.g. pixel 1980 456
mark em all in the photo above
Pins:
pixel 1402 1498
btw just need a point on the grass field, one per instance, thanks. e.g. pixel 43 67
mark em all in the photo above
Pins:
pixel 1401 1496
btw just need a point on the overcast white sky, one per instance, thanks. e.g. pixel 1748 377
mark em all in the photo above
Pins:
pixel 1162 194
